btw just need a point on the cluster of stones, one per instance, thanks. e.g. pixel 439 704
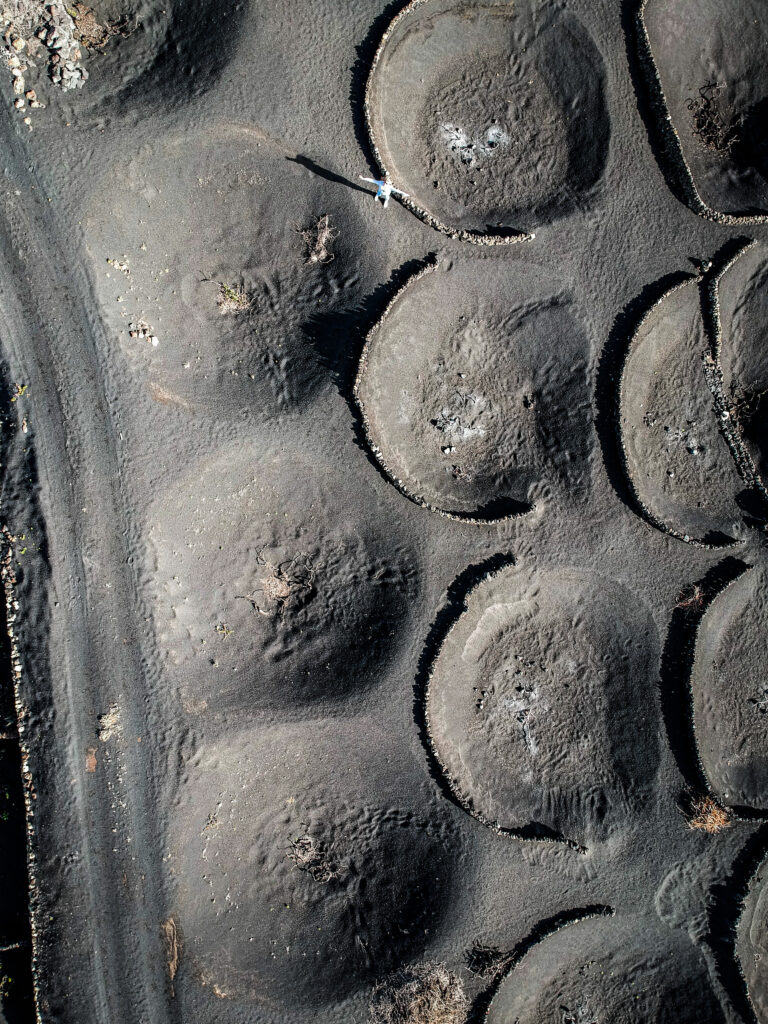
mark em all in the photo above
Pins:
pixel 58 36
pixel 141 329
pixel 35 27
pixel 18 62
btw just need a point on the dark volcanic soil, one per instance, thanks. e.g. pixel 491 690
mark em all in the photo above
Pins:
pixel 386 601
pixel 708 59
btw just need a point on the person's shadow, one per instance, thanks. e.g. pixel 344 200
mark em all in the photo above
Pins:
pixel 322 172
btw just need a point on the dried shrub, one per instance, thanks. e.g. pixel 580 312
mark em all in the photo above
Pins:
pixel 427 993
pixel 760 703
pixel 88 31
pixel 715 127
pixel 747 404
pixel 486 961
pixel 692 599
pixel 317 241
pixel 468 150
pixel 285 586
pixel 581 1015
pixel 706 815
pixel 312 857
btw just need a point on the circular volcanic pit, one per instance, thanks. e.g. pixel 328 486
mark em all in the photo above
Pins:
pixel 473 390
pixel 752 942
pixel 710 60
pixel 628 969
pixel 729 681
pixel 678 463
pixel 540 705
pixel 491 116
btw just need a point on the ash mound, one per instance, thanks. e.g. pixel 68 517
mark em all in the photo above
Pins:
pixel 298 880
pixel 473 390
pixel 540 704
pixel 262 598
pixel 492 116
pixel 211 309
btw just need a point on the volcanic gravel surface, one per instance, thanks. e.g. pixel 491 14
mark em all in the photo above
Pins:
pixel 385 587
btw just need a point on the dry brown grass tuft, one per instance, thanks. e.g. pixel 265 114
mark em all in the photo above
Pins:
pixel 317 240
pixel 87 29
pixel 425 994
pixel 233 300
pixel 706 815
pixel 692 598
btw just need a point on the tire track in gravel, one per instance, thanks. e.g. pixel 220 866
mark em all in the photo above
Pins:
pixel 50 345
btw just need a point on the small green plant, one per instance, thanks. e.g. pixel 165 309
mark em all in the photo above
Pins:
pixel 233 299
pixel 19 390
